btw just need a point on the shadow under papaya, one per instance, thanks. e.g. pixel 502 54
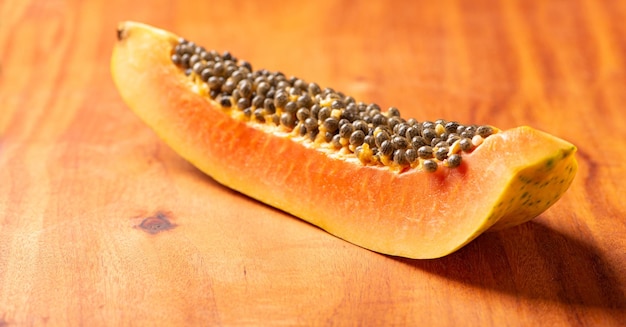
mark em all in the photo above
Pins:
pixel 533 261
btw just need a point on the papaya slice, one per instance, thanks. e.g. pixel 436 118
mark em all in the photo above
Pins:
pixel 388 184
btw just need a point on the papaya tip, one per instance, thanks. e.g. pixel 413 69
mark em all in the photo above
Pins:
pixel 122 31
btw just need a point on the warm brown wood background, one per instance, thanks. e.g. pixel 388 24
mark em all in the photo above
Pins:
pixel 79 173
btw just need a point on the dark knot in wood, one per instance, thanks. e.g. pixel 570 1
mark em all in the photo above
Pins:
pixel 156 224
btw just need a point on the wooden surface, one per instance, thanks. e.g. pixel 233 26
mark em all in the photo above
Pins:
pixel 102 224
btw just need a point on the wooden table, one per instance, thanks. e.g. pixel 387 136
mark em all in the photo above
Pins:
pixel 83 181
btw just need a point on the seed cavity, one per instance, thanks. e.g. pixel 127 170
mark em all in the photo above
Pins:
pixel 326 117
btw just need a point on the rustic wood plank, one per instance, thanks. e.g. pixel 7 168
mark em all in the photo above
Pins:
pixel 102 224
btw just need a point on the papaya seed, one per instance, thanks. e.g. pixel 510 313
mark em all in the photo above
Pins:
pixel 378 119
pixel 428 134
pixel 206 74
pixel 357 137
pixel 259 115
pixel 238 76
pixel 451 127
pixel 287 120
pixel 304 101
pixel 247 112
pixel 245 88
pixel 346 130
pixel 380 137
pixel 337 104
pixel 393 121
pixel 441 154
pixel 262 88
pixel 369 139
pixel 454 161
pixel 243 103
pixel 466 144
pixel 452 137
pixel 315 109
pixel 427 124
pixel 484 131
pixel 257 101
pixel 399 142
pixel 411 132
pixel 417 142
pixel 328 137
pixel 225 102
pixel 331 124
pixel 399 156
pixel 228 86
pixel 425 152
pixel 198 67
pixel 393 112
pixel 411 155
pixel 336 142
pixel 430 165
pixel 314 89
pixel 310 124
pixel 268 106
pixel 280 99
pixel 290 107
pixel 323 113
pixel 386 148
pixel 361 125
pixel 302 114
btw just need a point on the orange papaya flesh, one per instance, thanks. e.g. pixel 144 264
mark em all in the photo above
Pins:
pixel 508 178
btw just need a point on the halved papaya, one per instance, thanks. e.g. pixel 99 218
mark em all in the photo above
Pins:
pixel 389 184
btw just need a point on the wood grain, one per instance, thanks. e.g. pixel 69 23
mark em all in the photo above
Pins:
pixel 102 224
